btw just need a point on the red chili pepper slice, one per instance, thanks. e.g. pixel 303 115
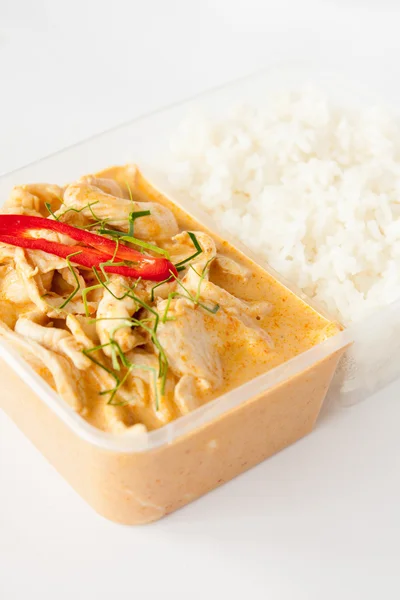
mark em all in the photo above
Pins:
pixel 94 250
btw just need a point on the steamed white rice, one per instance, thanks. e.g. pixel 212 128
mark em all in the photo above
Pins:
pixel 312 188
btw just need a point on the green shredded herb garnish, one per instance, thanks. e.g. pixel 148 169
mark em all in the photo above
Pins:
pixel 171 296
pixel 136 215
pixel 121 353
pixel 110 262
pixel 195 299
pixel 85 292
pixel 118 386
pixel 98 286
pixel 128 294
pixel 78 285
pixel 115 349
pixel 162 359
pixel 48 206
pixel 75 210
pixel 146 245
pixel 129 191
pixel 201 276
pixel 112 232
pixel 129 238
pixel 199 250
pixel 143 244
pixel 150 326
pixel 158 285
pixel 88 353
pixel 98 221
pixel 115 390
pixel 114 358
pixel 89 206
pixel 91 225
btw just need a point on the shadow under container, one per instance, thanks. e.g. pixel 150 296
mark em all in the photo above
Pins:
pixel 140 478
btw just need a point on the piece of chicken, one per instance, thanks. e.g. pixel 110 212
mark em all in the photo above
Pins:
pixel 110 416
pixel 48 265
pixel 250 334
pixel 117 416
pixel 109 186
pixel 65 283
pixel 12 287
pixel 47 279
pixel 148 291
pixel 34 197
pixel 230 267
pixel 70 215
pixel 85 334
pixel 53 236
pixel 189 347
pixel 31 279
pixel 48 303
pixel 249 313
pixel 196 282
pixel 186 394
pixel 113 313
pixel 6 253
pixel 8 312
pixel 40 266
pixel 20 210
pixel 69 278
pixel 83 330
pixel 181 247
pixel 160 224
pixel 44 261
pixel 32 326
pixel 64 377
pixel 148 404
pixel 73 307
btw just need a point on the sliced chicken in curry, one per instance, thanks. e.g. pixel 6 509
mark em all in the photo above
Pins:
pixel 129 309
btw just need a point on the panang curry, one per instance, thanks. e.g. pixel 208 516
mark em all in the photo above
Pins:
pixel 129 309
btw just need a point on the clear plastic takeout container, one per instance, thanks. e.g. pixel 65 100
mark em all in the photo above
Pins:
pixel 139 478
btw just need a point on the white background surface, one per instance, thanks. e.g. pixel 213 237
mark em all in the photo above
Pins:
pixel 321 519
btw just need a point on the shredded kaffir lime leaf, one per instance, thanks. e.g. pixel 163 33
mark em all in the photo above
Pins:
pixel 78 285
pixel 180 265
